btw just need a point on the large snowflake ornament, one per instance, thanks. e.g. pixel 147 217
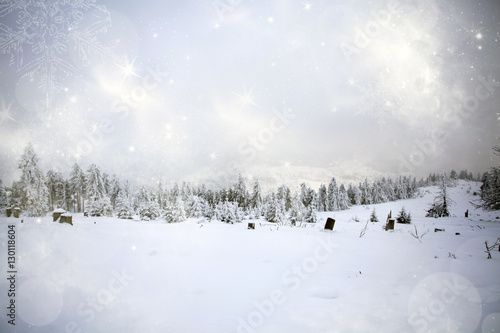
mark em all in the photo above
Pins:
pixel 48 40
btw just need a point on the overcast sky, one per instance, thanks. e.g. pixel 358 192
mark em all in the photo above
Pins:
pixel 191 90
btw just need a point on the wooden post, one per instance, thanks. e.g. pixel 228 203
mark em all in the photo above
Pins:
pixel 251 225
pixel 330 223
pixel 16 212
pixel 9 212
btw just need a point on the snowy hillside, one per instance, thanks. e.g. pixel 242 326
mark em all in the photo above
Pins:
pixel 111 275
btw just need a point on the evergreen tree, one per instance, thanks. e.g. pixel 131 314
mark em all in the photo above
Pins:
pixel 322 199
pixel 77 187
pixel 333 196
pixel 440 206
pixel 56 185
pixel 343 198
pixel 490 189
pixel 98 203
pixel 275 211
pixel 354 194
pixel 366 193
pixel 310 215
pixel 373 216
pixel 284 195
pixel 241 193
pixel 175 212
pixel 3 196
pixel 115 189
pixel 296 210
pixel 197 206
pixel 307 195
pixel 123 205
pixel 256 200
pixel 403 216
pixel 35 192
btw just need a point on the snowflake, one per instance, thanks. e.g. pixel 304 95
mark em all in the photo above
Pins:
pixel 42 36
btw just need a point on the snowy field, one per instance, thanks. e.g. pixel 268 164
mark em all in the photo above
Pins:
pixel 110 275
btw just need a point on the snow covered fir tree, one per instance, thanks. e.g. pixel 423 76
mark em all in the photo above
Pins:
pixel 35 194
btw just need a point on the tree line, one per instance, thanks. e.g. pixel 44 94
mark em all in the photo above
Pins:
pixel 99 194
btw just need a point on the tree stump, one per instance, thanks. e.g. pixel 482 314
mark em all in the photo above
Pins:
pixel 66 218
pixel 330 223
pixel 8 212
pixel 251 225
pixel 293 223
pixel 86 214
pixel 390 224
pixel 467 213
pixel 57 213
pixel 16 212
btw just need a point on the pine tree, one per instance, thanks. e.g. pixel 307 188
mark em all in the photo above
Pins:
pixel 275 210
pixel 403 216
pixel 373 216
pixel 366 193
pixel 343 198
pixel 175 212
pixel 256 200
pixel 123 205
pixel 241 193
pixel 3 196
pixel 284 195
pixel 56 185
pixel 35 192
pixel 441 204
pixel 490 189
pixel 98 203
pixel 333 196
pixel 296 210
pixel 310 215
pixel 77 187
pixel 197 206
pixel 322 199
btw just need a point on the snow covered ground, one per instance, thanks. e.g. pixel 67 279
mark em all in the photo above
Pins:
pixel 110 275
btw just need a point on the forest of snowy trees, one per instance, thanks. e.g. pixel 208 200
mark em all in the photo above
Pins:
pixel 99 194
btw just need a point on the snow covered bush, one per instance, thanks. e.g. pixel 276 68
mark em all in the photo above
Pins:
pixel 228 212
pixel 404 217
pixel 100 207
